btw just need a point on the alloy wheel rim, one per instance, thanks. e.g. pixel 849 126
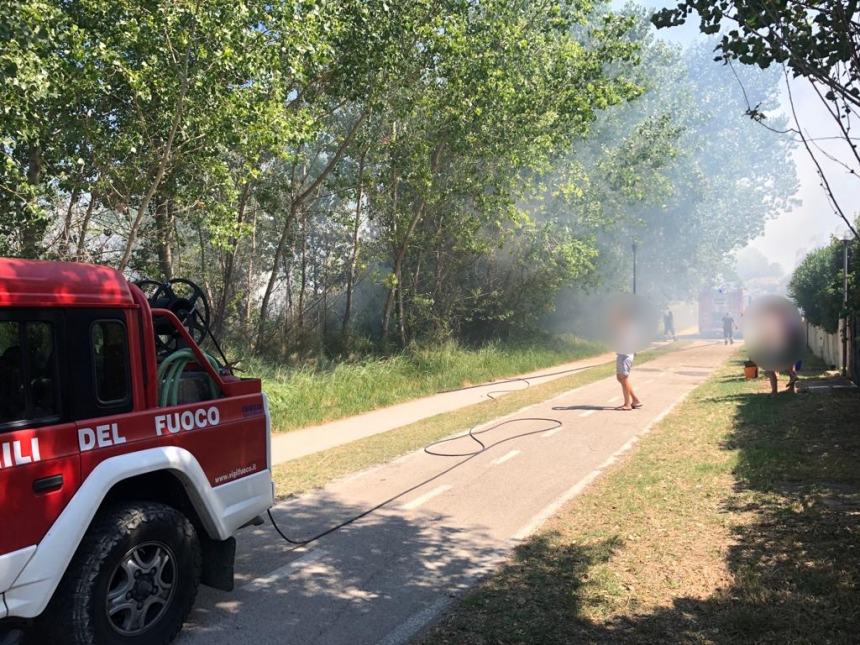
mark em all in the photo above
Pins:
pixel 141 588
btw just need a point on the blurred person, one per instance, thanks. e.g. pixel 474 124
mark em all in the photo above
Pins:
pixel 626 342
pixel 669 324
pixel 728 329
pixel 774 334
pixel 773 377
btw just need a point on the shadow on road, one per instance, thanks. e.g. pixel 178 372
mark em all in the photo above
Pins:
pixel 331 592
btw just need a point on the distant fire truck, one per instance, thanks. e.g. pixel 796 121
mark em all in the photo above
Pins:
pixel 714 304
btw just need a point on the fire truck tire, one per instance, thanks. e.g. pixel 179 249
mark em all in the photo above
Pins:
pixel 132 581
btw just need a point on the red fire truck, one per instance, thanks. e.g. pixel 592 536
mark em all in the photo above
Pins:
pixel 129 458
pixel 714 304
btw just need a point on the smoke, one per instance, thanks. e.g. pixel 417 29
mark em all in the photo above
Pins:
pixel 683 173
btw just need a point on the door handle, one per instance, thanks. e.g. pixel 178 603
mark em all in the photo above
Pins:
pixel 47 484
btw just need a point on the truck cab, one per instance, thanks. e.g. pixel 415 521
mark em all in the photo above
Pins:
pixel 129 457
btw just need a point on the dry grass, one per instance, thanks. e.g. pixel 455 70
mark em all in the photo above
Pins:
pixel 736 521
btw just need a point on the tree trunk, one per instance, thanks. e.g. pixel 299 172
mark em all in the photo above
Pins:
pixel 325 302
pixel 353 260
pixel 304 270
pixel 249 280
pixel 31 227
pixel 294 206
pixel 207 288
pixel 417 215
pixel 401 314
pixel 229 263
pixel 273 277
pixel 80 249
pixel 164 233
pixel 388 307
pixel 66 237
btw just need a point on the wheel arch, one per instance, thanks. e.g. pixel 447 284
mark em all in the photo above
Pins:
pixel 163 485
pixel 167 487
pixel 35 585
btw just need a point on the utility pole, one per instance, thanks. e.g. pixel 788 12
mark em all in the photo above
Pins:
pixel 634 268
pixel 845 242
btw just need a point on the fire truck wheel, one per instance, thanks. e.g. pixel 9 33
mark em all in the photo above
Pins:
pixel 132 581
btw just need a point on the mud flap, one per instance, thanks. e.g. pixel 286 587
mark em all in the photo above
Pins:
pixel 218 559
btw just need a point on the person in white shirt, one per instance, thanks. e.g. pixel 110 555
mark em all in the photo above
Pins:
pixel 626 342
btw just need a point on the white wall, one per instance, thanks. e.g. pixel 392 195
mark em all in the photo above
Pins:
pixel 827 346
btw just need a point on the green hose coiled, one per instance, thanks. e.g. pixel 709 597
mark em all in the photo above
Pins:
pixel 170 373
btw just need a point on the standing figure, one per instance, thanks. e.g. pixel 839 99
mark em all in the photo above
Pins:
pixel 626 343
pixel 773 376
pixel 728 329
pixel 669 324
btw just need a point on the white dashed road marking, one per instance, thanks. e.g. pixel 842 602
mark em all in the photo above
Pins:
pixel 507 457
pixel 587 413
pixel 426 497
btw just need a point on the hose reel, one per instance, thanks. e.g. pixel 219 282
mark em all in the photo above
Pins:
pixel 188 302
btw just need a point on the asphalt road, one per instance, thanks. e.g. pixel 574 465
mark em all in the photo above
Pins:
pixel 387 576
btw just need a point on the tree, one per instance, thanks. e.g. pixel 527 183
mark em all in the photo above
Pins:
pixel 816 40
pixel 35 152
pixel 817 285
pixel 752 264
pixel 678 170
pixel 500 88
pixel 407 170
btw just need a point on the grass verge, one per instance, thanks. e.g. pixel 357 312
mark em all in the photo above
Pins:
pixel 735 521
pixel 300 397
pixel 320 468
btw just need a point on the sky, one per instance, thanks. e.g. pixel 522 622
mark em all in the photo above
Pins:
pixel 790 235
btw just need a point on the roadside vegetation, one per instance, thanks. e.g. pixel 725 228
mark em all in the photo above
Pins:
pixel 323 392
pixel 817 283
pixel 354 176
pixel 735 521
pixel 316 470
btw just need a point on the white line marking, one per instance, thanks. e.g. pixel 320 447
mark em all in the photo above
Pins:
pixel 614 399
pixel 552 432
pixel 282 572
pixel 587 413
pixel 426 497
pixel 473 573
pixel 553 507
pixel 404 632
pixel 507 457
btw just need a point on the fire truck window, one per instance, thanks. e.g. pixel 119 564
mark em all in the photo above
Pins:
pixel 28 387
pixel 110 356
pixel 41 369
pixel 12 404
